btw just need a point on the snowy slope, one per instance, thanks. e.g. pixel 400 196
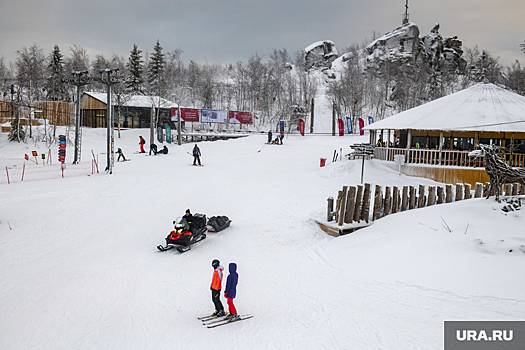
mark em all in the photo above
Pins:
pixel 79 267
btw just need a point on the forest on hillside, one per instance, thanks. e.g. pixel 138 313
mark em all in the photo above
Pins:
pixel 277 86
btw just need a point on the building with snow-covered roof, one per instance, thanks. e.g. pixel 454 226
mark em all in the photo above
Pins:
pixel 442 132
pixel 135 110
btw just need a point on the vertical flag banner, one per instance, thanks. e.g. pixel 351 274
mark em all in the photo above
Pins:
pixel 301 126
pixel 361 126
pixel 281 126
pixel 349 125
pixel 370 120
pixel 341 127
pixel 167 127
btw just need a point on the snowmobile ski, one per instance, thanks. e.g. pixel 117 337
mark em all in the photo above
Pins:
pixel 243 317
pixel 163 249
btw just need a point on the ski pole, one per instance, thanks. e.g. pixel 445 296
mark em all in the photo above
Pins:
pixel 261 148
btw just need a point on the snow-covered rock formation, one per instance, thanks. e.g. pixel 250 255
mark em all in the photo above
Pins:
pixel 401 42
pixel 320 54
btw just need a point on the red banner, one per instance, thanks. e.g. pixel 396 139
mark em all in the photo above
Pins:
pixel 301 126
pixel 240 117
pixel 341 127
pixel 188 114
pixel 361 126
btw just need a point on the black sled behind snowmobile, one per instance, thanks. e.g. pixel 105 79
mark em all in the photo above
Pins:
pixel 185 234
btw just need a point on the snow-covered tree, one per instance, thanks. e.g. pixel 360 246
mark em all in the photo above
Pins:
pixel 135 67
pixel 156 71
pixel 56 88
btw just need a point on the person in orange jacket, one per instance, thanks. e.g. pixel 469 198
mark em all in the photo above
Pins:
pixel 216 286
pixel 142 142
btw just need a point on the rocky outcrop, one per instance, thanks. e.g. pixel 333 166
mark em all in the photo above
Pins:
pixel 320 54
pixel 401 42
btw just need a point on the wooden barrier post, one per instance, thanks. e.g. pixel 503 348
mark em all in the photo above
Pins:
pixel 459 192
pixel 431 195
pixel 358 203
pixel 23 170
pixel 330 209
pixel 377 203
pixel 365 211
pixel 342 209
pixel 440 195
pixel 479 190
pixel 508 190
pixel 421 200
pixel 338 205
pixel 448 197
pixel 350 205
pixel 404 200
pixel 7 172
pixel 395 202
pixel 468 194
pixel 388 200
pixel 515 189
pixel 412 203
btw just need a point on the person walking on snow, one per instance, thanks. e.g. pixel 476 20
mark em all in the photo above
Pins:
pixel 142 142
pixel 231 290
pixel 269 136
pixel 216 286
pixel 196 155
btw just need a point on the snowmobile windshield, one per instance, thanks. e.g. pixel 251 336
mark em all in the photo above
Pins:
pixel 181 223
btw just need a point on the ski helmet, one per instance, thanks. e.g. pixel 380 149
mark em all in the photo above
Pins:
pixel 215 263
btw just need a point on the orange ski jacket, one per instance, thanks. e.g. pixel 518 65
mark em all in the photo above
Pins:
pixel 216 280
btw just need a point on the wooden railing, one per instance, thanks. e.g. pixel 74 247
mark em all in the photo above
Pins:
pixel 444 157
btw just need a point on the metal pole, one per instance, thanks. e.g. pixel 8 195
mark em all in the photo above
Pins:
pixel 76 160
pixel 108 117
pixel 179 125
pixel 362 168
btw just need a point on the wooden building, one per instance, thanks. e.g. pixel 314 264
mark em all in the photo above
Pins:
pixel 134 111
pixel 435 138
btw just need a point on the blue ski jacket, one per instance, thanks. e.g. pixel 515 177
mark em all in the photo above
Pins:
pixel 231 281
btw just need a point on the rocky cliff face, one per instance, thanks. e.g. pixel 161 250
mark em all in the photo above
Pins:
pixel 320 54
pixel 401 42
pixel 406 43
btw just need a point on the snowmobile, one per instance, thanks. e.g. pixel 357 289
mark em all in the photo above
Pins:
pixel 184 234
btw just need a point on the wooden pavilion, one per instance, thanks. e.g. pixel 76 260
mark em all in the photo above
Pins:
pixel 436 138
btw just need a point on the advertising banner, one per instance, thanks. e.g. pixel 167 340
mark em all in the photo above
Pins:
pixel 349 125
pixel 341 127
pixel 241 117
pixel 370 120
pixel 188 114
pixel 361 126
pixel 213 116
pixel 282 124
pixel 301 126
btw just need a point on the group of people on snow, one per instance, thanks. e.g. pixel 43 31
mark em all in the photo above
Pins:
pixel 230 290
pixel 278 140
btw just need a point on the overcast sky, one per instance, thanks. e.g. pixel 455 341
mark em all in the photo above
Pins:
pixel 219 31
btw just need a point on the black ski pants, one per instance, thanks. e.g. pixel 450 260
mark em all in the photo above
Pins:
pixel 216 298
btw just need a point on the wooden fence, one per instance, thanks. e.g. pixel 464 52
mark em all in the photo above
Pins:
pixel 352 205
pixel 443 157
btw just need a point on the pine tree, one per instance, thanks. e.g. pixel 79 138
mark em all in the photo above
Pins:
pixel 17 132
pixel 135 66
pixel 156 66
pixel 55 86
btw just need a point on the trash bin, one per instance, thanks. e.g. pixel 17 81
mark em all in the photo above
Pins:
pixel 323 162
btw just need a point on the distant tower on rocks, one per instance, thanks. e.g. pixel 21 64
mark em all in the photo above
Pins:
pixel 405 15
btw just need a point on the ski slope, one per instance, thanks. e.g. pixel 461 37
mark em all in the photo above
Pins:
pixel 80 268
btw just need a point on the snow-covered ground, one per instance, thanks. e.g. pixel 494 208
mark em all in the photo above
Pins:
pixel 79 268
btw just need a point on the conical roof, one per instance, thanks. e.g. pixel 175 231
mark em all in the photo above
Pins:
pixel 482 107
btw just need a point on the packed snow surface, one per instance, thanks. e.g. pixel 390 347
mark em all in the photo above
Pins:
pixel 79 268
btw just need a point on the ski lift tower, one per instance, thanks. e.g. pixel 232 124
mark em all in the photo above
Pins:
pixel 405 15
pixel 109 81
pixel 79 79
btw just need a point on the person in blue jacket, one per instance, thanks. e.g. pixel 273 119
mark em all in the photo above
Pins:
pixel 231 290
